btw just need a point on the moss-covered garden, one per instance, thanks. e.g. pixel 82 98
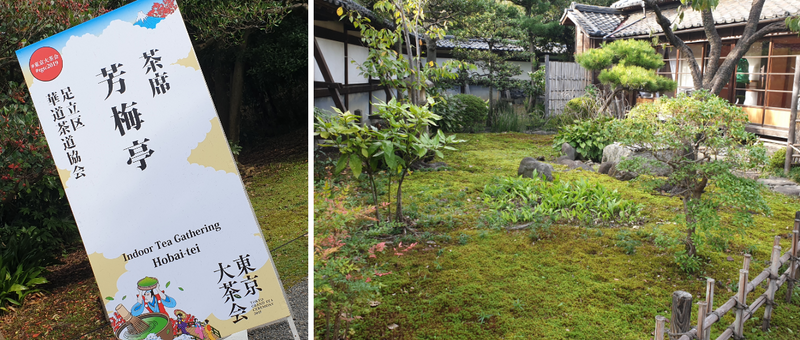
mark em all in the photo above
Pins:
pixel 455 269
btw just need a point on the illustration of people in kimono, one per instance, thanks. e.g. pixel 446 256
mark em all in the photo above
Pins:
pixel 153 300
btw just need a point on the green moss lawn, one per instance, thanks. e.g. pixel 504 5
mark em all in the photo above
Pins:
pixel 467 281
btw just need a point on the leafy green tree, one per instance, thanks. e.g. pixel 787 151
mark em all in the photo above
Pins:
pixel 229 25
pixel 497 25
pixel 634 67
pixel 702 138
pixel 406 140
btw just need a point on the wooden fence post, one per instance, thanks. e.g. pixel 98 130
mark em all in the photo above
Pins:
pixel 773 285
pixel 741 297
pixel 709 307
pixel 701 318
pixel 681 314
pixel 792 264
pixel 547 86
pixel 660 322
pixel 787 165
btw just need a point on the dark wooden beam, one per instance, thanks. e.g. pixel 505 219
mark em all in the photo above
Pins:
pixel 326 74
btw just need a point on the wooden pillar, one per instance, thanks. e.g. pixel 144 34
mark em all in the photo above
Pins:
pixel 547 85
pixel 709 307
pixel 701 318
pixel 659 333
pixel 787 164
pixel 681 314
pixel 741 297
pixel 773 285
pixel 793 258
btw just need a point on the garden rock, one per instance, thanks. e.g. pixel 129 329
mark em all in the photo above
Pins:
pixel 528 164
pixel 568 151
pixel 621 175
pixel 615 153
pixel 431 166
pixel 604 167
pixel 781 185
pixel 572 164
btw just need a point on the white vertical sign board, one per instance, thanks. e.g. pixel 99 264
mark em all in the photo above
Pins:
pixel 165 219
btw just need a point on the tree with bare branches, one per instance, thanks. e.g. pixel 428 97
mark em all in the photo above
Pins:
pixel 716 75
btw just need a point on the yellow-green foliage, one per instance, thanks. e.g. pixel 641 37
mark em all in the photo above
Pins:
pixel 778 159
pixel 577 283
pixel 634 64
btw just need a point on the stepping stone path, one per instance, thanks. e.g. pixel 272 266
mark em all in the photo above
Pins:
pixel 781 185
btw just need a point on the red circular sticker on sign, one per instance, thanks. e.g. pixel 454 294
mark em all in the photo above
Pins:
pixel 46 64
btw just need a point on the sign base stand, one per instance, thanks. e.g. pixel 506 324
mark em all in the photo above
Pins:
pixel 290 320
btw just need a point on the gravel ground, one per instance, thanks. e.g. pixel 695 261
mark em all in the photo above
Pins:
pixel 298 303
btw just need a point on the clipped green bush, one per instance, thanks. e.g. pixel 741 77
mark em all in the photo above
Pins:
pixel 462 113
pixel 581 107
pixel 777 159
pixel 588 137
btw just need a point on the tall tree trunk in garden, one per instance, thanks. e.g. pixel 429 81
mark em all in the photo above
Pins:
pixel 221 96
pixel 237 86
pixel 399 210
pixel 430 53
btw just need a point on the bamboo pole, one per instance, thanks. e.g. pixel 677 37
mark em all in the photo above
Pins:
pixel 793 263
pixel 701 318
pixel 787 163
pixel 709 306
pixel 741 297
pixel 794 251
pixel 659 333
pixel 773 270
pixel 727 306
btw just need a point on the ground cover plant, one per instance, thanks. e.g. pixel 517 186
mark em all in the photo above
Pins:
pixel 559 278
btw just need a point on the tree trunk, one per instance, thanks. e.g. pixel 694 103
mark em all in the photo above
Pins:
pixel 491 106
pixel 430 54
pixel 237 86
pixel 717 77
pixel 534 68
pixel 374 193
pixel 221 96
pixel 399 209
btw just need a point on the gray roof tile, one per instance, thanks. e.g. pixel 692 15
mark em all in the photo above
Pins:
pixel 600 21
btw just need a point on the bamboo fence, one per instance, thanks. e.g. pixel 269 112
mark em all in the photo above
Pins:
pixel 680 328
pixel 563 81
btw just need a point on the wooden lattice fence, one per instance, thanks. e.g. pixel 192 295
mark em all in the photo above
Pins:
pixel 680 328
pixel 563 81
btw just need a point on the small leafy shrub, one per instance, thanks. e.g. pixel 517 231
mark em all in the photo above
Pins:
pixel 776 161
pixel 582 107
pixel 508 120
pixel 687 262
pixel 625 242
pixel 462 113
pixel 588 137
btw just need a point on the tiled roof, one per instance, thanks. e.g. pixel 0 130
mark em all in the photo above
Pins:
pixel 594 20
pixel 601 21
pixel 450 42
pixel 727 12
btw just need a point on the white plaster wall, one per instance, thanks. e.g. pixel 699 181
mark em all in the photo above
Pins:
pixel 325 104
pixel 359 101
pixel 333 52
pixel 357 55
